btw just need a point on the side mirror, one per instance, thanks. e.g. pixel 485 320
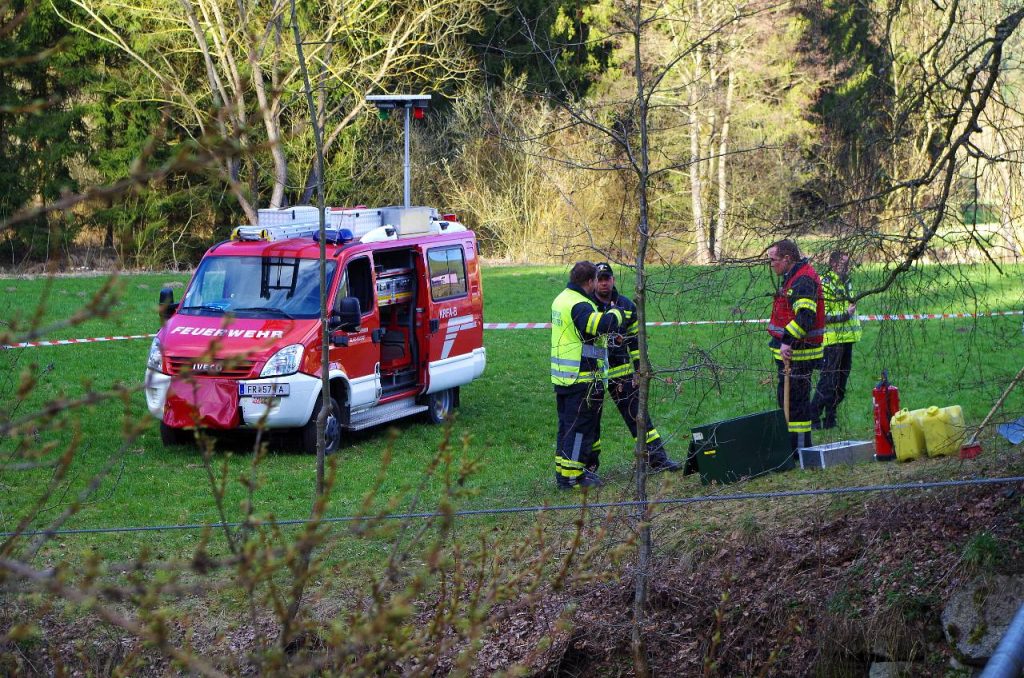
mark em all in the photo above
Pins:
pixel 167 305
pixel 348 315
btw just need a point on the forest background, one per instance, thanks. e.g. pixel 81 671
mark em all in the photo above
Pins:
pixel 157 127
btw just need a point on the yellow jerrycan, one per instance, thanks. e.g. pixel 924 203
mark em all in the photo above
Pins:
pixel 907 436
pixel 944 431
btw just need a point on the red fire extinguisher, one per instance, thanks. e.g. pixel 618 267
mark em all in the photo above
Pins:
pixel 886 400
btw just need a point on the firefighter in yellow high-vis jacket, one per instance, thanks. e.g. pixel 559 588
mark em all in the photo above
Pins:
pixel 842 331
pixel 578 373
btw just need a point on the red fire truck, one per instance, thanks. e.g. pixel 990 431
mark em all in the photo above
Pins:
pixel 242 349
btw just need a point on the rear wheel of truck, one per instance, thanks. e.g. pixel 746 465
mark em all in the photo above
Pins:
pixel 172 437
pixel 440 405
pixel 332 429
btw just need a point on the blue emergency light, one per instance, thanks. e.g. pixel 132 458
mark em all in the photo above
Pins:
pixel 335 236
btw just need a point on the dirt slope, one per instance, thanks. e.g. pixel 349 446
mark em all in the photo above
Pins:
pixel 824 597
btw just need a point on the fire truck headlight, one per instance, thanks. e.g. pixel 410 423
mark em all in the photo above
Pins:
pixel 285 361
pixel 155 356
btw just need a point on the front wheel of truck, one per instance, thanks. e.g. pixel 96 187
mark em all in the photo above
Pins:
pixel 332 429
pixel 440 405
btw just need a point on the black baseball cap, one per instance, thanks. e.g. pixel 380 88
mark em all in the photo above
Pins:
pixel 604 270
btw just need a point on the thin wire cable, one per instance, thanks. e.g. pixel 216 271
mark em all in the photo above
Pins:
pixel 744 496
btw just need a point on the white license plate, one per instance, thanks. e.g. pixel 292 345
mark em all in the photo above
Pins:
pixel 272 390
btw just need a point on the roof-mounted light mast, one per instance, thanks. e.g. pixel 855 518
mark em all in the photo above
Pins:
pixel 415 105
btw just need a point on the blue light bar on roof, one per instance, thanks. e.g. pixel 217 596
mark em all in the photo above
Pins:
pixel 335 236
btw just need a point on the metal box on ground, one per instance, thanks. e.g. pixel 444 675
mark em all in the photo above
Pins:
pixel 744 447
pixel 833 454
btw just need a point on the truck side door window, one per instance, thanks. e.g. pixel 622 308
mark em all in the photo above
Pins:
pixel 358 283
pixel 447 271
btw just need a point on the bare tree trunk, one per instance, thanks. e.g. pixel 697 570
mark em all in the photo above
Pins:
pixel 641 579
pixel 723 155
pixel 235 173
pixel 272 123
pixel 700 235
pixel 709 168
pixel 220 99
pixel 313 178
pixel 312 181
pixel 306 554
pixel 216 86
pixel 328 144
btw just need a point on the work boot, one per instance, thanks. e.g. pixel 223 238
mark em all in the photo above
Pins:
pixel 586 479
pixel 829 422
pixel 658 461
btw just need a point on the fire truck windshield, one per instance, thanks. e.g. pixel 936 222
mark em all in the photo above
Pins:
pixel 256 287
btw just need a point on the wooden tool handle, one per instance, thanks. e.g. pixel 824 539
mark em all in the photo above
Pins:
pixel 785 390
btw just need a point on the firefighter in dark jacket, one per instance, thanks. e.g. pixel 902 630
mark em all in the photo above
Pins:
pixel 796 327
pixel 623 362
pixel 578 372
pixel 842 331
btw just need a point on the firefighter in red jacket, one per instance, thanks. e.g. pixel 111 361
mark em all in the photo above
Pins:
pixel 623 361
pixel 797 327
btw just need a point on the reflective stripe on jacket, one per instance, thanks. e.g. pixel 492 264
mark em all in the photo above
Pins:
pixel 840 326
pixel 623 347
pixel 798 314
pixel 576 325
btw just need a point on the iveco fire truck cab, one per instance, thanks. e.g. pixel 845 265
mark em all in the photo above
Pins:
pixel 243 347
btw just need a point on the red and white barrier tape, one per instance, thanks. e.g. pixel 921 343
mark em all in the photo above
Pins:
pixel 763 321
pixel 545 326
pixel 69 342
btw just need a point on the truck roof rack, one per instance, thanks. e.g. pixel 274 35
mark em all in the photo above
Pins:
pixel 344 225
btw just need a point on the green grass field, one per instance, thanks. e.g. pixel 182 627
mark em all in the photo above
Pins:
pixel 507 418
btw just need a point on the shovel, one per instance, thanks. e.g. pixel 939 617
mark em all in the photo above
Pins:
pixel 973 448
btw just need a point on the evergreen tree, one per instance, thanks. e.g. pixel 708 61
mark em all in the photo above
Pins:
pixel 43 66
pixel 561 46
pixel 168 222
